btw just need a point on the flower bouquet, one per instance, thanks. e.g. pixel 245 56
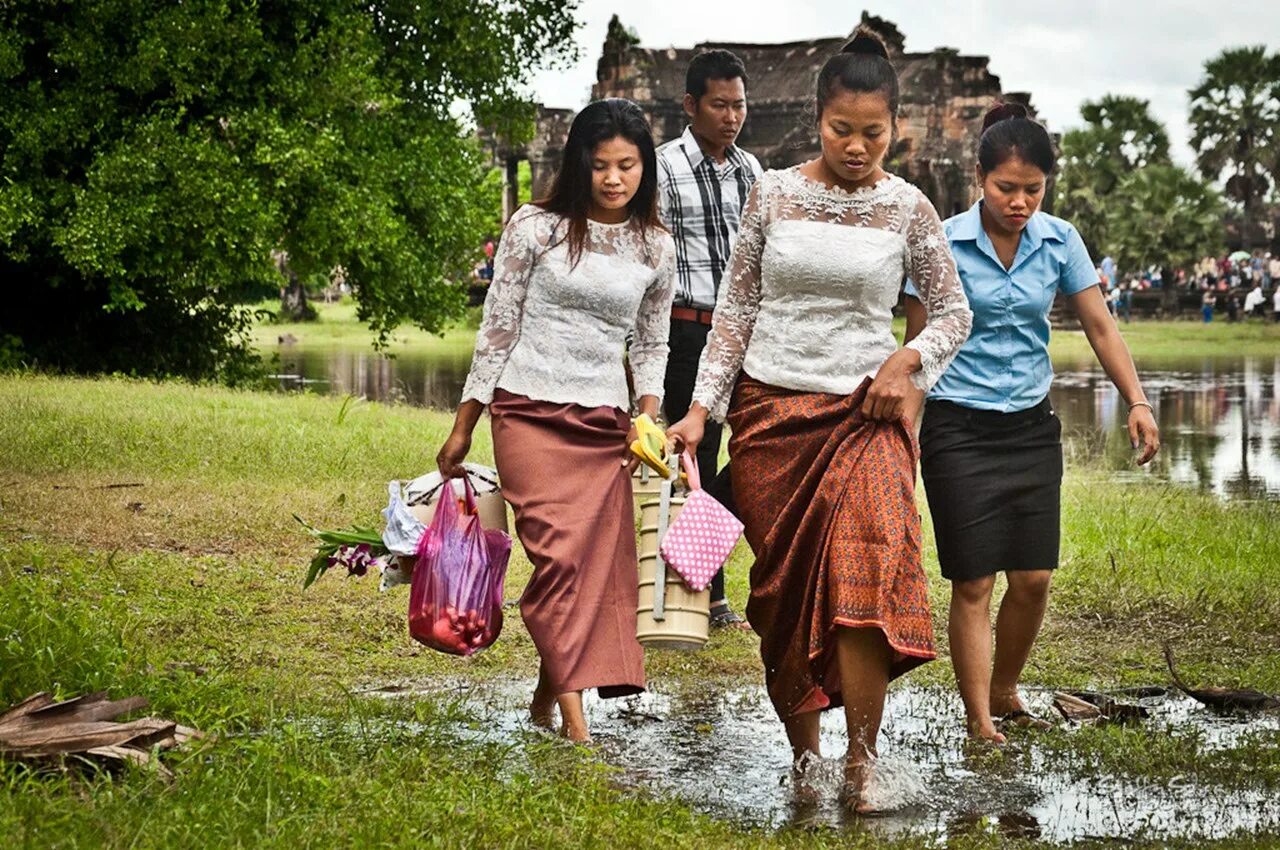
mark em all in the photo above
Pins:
pixel 356 548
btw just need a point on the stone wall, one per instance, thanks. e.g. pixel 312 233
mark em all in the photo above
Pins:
pixel 944 96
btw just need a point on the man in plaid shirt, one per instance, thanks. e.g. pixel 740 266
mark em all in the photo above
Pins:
pixel 703 180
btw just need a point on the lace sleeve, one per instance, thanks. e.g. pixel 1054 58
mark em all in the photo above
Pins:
pixel 933 271
pixel 649 347
pixel 503 306
pixel 736 308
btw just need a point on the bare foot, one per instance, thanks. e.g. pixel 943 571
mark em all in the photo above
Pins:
pixel 983 730
pixel 575 733
pixel 1023 720
pixel 542 710
pixel 573 723
pixel 1012 711
pixel 856 790
pixel 803 782
pixel 1005 703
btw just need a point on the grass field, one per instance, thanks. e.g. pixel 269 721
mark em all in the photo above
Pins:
pixel 185 586
pixel 1148 340
pixel 338 326
pixel 1156 342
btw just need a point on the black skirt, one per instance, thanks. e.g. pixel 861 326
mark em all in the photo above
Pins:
pixel 994 483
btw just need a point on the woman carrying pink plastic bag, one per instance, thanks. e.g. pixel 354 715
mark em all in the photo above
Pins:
pixel 455 602
pixel 574 275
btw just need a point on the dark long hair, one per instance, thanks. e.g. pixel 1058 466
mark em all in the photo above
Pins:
pixel 571 192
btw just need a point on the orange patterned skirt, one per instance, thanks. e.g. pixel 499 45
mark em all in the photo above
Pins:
pixel 828 500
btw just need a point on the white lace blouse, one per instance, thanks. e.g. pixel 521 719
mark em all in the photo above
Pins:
pixel 809 291
pixel 554 331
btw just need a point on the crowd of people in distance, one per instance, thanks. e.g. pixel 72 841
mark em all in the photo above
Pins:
pixel 1238 286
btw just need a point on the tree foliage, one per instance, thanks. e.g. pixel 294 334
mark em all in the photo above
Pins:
pixel 619 35
pixel 1235 123
pixel 1119 137
pixel 155 154
pixel 1164 216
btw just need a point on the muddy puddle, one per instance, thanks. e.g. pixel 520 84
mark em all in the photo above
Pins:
pixel 724 754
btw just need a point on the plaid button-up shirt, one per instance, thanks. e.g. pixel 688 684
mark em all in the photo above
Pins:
pixel 701 203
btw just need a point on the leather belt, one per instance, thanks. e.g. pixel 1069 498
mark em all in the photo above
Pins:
pixel 689 314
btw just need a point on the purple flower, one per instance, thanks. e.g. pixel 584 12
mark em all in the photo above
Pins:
pixel 357 559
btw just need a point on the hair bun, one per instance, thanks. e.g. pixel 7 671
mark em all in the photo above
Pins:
pixel 868 42
pixel 1001 111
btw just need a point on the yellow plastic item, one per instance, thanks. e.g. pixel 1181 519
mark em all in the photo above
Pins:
pixel 650 445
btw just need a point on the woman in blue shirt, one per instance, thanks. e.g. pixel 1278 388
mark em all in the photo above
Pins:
pixel 991 450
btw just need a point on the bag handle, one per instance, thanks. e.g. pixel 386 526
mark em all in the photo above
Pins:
pixel 468 495
pixel 428 495
pixel 469 504
pixel 691 470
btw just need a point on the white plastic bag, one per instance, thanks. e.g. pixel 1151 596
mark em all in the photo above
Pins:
pixel 395 570
pixel 403 530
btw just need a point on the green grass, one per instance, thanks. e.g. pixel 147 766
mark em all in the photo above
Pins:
pixel 1153 342
pixel 1101 752
pixel 1148 340
pixel 187 589
pixel 338 326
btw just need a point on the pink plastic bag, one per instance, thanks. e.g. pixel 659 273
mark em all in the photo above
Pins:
pixel 455 598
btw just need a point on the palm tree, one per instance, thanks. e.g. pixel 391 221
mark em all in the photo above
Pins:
pixel 1167 216
pixel 1235 121
pixel 1120 136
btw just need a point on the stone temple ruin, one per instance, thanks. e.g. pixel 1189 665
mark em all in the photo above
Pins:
pixel 944 96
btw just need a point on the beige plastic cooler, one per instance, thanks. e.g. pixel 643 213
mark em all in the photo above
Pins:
pixel 645 485
pixel 670 615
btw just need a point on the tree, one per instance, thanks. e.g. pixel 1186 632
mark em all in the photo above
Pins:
pixel 1235 123
pixel 1120 136
pixel 620 35
pixel 155 155
pixel 1165 216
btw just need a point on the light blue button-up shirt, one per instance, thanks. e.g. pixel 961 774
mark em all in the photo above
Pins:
pixel 1004 365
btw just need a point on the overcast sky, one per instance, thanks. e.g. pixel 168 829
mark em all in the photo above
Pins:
pixel 1062 52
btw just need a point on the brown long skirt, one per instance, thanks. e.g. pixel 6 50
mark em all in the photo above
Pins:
pixel 560 467
pixel 828 501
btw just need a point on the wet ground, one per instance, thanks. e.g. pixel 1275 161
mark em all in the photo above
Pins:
pixel 723 753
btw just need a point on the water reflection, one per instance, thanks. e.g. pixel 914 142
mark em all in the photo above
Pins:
pixel 1219 417
pixel 423 381
pixel 1219 423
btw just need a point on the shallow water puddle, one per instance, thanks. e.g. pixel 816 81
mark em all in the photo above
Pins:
pixel 724 753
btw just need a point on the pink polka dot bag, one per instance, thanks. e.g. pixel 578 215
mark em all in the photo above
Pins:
pixel 699 541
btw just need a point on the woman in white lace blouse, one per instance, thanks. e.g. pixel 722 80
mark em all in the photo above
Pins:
pixel 574 275
pixel 820 400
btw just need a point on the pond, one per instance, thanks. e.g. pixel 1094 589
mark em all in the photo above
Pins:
pixel 1219 416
